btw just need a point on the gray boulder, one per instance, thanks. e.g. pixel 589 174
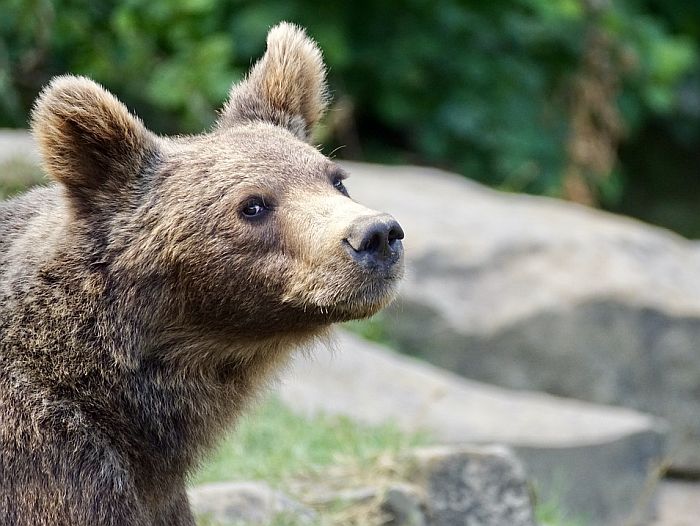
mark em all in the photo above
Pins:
pixel 535 293
pixel 595 462
pixel 245 504
pixel 473 487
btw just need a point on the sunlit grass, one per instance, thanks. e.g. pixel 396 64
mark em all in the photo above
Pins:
pixel 273 444
pixel 372 329
pixel 551 514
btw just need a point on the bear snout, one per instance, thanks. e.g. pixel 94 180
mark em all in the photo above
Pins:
pixel 374 242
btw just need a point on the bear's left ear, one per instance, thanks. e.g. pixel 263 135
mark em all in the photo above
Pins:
pixel 287 86
pixel 88 140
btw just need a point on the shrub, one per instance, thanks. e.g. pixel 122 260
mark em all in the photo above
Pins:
pixel 530 95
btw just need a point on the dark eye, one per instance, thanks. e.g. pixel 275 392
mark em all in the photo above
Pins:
pixel 254 207
pixel 338 185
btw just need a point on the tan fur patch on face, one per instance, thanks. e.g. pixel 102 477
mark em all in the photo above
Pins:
pixel 171 208
pixel 324 277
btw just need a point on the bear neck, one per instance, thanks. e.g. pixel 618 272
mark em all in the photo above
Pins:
pixel 185 386
pixel 166 394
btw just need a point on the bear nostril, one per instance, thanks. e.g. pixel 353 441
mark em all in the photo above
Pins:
pixel 374 239
pixel 373 242
pixel 396 232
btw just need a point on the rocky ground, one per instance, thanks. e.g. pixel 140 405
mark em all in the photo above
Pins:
pixel 679 503
pixel 597 462
pixel 441 486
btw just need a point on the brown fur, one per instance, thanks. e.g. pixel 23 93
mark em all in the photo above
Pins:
pixel 287 87
pixel 139 309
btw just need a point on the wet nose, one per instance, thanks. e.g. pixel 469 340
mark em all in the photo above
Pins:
pixel 375 239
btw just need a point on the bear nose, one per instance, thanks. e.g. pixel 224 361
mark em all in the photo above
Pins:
pixel 375 239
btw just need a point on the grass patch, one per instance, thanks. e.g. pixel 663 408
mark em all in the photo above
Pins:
pixel 551 514
pixel 273 444
pixel 372 329
pixel 293 453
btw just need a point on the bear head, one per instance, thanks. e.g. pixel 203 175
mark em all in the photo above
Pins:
pixel 246 230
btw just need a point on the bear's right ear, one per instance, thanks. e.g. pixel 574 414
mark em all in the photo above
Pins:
pixel 287 86
pixel 88 140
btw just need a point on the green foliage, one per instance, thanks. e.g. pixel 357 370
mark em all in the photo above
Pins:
pixel 483 88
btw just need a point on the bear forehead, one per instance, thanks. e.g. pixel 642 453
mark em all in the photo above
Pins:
pixel 252 152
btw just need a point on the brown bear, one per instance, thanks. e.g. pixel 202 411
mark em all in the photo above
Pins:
pixel 148 292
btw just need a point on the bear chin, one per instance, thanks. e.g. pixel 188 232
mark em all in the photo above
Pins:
pixel 366 302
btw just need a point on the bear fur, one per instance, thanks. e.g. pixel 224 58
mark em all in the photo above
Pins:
pixel 157 283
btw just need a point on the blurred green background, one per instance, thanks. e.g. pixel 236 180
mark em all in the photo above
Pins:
pixel 597 101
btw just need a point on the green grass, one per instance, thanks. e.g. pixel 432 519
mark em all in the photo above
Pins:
pixel 372 329
pixel 551 514
pixel 273 444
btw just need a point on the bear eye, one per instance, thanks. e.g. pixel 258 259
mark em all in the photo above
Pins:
pixel 254 207
pixel 338 185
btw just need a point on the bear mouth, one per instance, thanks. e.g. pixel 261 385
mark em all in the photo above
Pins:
pixel 372 295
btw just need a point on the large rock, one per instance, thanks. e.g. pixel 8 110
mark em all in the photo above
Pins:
pixel 595 462
pixel 535 293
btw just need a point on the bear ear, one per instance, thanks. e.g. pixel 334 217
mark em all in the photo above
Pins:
pixel 287 86
pixel 88 139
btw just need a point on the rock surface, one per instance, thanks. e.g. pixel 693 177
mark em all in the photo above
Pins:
pixel 17 145
pixel 534 293
pixel 473 487
pixel 404 505
pixel 595 461
pixel 245 503
pixel 679 503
